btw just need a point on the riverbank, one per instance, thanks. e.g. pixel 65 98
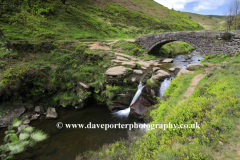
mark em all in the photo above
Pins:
pixel 22 73
pixel 214 105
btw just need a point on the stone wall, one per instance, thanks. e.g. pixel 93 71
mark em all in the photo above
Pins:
pixel 205 41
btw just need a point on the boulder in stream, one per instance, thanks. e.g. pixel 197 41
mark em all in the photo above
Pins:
pixel 172 69
pixel 39 109
pixel 51 113
pixel 144 101
pixel 160 75
pixel 168 60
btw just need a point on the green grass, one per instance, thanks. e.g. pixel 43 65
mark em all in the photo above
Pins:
pixel 56 75
pixel 83 20
pixel 130 48
pixel 174 48
pixel 214 104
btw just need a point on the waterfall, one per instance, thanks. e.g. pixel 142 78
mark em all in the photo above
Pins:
pixel 164 85
pixel 125 112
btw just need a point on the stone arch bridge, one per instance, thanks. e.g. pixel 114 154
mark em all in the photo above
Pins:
pixel 208 42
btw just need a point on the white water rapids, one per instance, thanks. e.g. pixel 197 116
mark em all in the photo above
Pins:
pixel 125 112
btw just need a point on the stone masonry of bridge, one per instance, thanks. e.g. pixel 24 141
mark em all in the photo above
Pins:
pixel 205 41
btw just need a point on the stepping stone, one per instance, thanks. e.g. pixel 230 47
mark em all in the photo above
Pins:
pixel 144 64
pixel 172 69
pixel 114 71
pixel 123 55
pixel 39 109
pixel 131 63
pixel 138 71
pixel 51 113
pixel 161 74
pixel 122 58
pixel 116 61
pixel 156 68
pixel 168 60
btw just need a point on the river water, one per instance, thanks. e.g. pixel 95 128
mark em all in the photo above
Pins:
pixel 178 62
pixel 68 143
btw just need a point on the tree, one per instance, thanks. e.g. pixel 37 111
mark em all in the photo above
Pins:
pixel 230 15
pixel 236 8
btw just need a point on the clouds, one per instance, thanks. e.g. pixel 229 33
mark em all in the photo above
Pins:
pixel 209 5
pixel 197 5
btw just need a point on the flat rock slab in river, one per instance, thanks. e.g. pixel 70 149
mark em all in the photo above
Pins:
pixel 156 68
pixel 161 74
pixel 183 71
pixel 114 71
pixel 123 55
pixel 172 69
pixel 169 60
pixel 116 61
pixel 131 63
pixel 138 71
pixel 122 58
pixel 194 65
pixel 144 64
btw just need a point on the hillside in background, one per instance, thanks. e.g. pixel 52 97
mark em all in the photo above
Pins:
pixel 89 19
pixel 211 21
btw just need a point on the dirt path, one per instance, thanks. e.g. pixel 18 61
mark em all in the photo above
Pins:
pixel 194 83
pixel 96 45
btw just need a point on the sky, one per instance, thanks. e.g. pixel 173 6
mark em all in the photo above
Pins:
pixel 205 7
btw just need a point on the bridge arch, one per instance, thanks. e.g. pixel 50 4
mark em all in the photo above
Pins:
pixel 158 45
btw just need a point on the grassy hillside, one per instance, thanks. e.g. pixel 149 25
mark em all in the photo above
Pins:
pixel 89 19
pixel 211 21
